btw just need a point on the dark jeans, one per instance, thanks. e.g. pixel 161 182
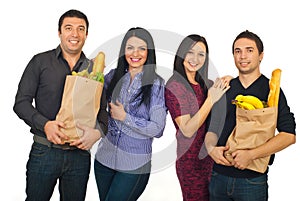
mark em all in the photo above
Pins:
pixel 120 186
pixel 240 189
pixel 46 165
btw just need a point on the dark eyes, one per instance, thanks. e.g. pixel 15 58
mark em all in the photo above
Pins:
pixel 199 54
pixel 70 28
pixel 238 51
pixel 139 48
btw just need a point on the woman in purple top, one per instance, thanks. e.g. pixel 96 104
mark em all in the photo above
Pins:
pixel 137 113
pixel 189 98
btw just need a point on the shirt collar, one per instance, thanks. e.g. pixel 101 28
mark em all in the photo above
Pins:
pixel 58 53
pixel 82 60
pixel 137 76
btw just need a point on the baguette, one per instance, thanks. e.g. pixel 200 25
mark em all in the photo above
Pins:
pixel 99 63
pixel 273 97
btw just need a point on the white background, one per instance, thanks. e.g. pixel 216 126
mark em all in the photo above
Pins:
pixel 29 27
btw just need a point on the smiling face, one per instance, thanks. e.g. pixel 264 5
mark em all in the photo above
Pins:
pixel 136 53
pixel 195 58
pixel 72 35
pixel 246 56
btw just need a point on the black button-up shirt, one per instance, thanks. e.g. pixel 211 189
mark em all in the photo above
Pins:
pixel 40 90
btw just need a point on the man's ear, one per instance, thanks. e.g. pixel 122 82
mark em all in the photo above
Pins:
pixel 261 56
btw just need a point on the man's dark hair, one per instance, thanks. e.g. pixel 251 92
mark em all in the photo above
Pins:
pixel 252 36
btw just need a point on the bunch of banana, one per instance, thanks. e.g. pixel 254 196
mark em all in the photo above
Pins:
pixel 83 73
pixel 97 72
pixel 248 102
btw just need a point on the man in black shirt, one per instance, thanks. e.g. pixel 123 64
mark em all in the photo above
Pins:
pixel 232 181
pixel 43 82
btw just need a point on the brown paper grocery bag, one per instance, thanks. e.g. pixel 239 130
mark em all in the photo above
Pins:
pixel 253 128
pixel 80 104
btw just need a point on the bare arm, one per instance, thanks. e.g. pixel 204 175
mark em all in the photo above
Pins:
pixel 279 142
pixel 189 125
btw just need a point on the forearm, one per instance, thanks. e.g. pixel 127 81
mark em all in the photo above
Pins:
pixel 194 123
pixel 30 115
pixel 204 111
pixel 211 140
pixel 26 95
pixel 279 142
pixel 146 128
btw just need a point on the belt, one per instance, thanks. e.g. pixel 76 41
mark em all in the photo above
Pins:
pixel 44 141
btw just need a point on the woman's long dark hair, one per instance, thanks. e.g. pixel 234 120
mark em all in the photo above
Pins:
pixel 149 69
pixel 202 74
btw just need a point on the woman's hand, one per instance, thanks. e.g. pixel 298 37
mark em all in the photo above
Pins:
pixel 226 79
pixel 117 111
pixel 217 90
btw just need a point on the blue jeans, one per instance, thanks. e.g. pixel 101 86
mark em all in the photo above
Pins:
pixel 121 186
pixel 240 189
pixel 46 165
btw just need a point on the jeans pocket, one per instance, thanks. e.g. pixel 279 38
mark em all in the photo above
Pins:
pixel 262 180
pixel 39 149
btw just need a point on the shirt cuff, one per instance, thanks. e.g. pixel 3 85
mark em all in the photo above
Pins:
pixel 39 122
pixel 127 120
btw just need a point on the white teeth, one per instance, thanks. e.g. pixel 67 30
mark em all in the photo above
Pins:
pixel 73 41
pixel 193 65
pixel 135 60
